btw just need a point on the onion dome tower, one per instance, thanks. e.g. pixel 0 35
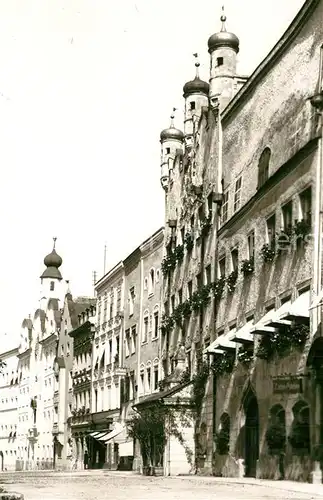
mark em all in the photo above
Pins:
pixel 196 95
pixel 171 139
pixel 51 279
pixel 223 48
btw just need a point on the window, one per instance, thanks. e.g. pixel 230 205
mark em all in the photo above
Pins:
pixel 149 379
pixel 52 286
pixel 167 151
pixel 156 378
pixel 225 207
pixel 157 276
pixel 182 235
pixel 111 304
pixel 127 335
pixel 151 281
pixel 156 323
pixel 192 223
pixel 251 245
pixel 234 259
pixel 199 281
pixel 208 274
pixel 133 339
pixel 142 380
pixel 305 199
pixel 220 61
pixel 131 300
pixel 118 299
pixel 237 194
pixel 190 289
pixel 210 204
pixel 145 330
pixel 192 105
pixel 222 267
pixel 172 300
pixel 117 346
pixel 110 350
pixel 180 296
pixel 146 284
pixel 263 167
pixel 271 229
pixel 287 216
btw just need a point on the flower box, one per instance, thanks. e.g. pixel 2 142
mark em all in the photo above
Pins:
pixel 248 266
pixel 268 252
pixel 189 242
pixel 232 281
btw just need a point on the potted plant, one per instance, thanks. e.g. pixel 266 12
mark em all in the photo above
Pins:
pixel 248 266
pixel 223 363
pixel 167 324
pixel 232 280
pixel 268 252
pixel 217 287
pixel 179 253
pixel 302 228
pixel 189 242
pixel 245 355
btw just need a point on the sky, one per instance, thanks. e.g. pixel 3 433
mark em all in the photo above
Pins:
pixel 86 86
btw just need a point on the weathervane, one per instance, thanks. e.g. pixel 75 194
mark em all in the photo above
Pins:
pixel 54 239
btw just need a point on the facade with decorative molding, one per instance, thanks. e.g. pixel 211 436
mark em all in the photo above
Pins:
pixel 243 258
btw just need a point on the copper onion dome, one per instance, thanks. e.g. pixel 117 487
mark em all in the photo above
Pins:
pixel 196 86
pixel 171 132
pixel 52 262
pixel 223 38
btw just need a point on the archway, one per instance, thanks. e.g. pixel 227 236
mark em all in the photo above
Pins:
pixel 251 433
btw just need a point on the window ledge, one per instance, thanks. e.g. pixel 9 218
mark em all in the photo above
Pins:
pixel 155 338
pixel 144 342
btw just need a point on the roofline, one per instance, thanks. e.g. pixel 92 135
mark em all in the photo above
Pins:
pixel 110 274
pixel 14 350
pixel 278 49
pixel 154 236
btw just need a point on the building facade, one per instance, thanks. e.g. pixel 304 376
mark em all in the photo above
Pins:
pixel 9 394
pixel 37 352
pixel 242 260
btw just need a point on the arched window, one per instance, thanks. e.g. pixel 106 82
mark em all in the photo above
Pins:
pixel 263 167
pixel 299 437
pixel 223 436
pixel 151 281
pixel 276 431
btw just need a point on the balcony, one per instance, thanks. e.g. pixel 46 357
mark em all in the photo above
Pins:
pixel 56 398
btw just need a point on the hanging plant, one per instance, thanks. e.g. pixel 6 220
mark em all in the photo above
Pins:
pixel 268 252
pixel 205 224
pixel 167 324
pixel 276 438
pixel 282 342
pixel 284 238
pixel 302 228
pixel 168 263
pixel 298 334
pixel 199 381
pixel 189 242
pixel 179 253
pixel 178 314
pixel 245 355
pixel 223 363
pixel 217 287
pixel 205 295
pixel 186 309
pixel 232 280
pixel 248 266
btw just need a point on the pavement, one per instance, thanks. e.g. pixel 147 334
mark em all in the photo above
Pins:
pixel 95 485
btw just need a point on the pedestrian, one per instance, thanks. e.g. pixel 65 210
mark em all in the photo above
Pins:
pixel 86 460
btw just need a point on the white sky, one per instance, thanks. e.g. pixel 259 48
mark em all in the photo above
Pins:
pixel 85 88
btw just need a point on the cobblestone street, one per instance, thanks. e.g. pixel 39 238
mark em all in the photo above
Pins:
pixel 95 485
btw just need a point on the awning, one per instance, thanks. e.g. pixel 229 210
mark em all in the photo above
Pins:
pixel 99 436
pixel 243 335
pixel 126 449
pixel 221 344
pixel 318 300
pixel 273 320
pixel 299 309
pixel 260 327
pixel 114 433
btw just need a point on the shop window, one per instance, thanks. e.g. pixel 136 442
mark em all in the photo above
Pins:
pixel 263 167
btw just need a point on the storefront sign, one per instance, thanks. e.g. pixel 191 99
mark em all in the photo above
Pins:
pixel 290 384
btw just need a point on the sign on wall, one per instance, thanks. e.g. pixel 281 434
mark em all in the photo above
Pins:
pixel 288 384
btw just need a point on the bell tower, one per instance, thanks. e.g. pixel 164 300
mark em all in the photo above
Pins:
pixel 51 279
pixel 171 139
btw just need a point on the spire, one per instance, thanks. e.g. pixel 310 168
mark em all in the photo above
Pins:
pixel 172 118
pixel 197 65
pixel 54 239
pixel 223 19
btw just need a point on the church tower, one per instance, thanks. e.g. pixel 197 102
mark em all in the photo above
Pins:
pixel 171 139
pixel 51 279
pixel 196 95
pixel 223 48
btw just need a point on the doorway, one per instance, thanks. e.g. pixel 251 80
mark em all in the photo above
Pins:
pixel 251 435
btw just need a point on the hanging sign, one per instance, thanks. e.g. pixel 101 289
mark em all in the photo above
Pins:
pixel 288 384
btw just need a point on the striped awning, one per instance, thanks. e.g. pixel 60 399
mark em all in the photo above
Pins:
pixel 99 435
pixel 113 434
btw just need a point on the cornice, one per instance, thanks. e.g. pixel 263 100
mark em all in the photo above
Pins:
pixel 112 275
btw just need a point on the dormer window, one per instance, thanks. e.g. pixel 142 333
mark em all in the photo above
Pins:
pixel 52 286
